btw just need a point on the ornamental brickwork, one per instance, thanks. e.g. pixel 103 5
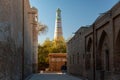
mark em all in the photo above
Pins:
pixel 56 60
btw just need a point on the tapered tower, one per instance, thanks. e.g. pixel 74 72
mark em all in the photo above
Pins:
pixel 58 34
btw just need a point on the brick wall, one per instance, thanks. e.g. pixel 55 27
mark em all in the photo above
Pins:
pixel 11 40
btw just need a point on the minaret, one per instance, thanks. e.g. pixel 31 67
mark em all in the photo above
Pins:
pixel 58 35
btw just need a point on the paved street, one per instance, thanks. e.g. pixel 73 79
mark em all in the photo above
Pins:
pixel 53 76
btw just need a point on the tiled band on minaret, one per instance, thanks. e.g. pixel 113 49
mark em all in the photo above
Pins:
pixel 58 35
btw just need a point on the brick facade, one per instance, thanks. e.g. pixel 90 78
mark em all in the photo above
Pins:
pixel 100 48
pixel 56 60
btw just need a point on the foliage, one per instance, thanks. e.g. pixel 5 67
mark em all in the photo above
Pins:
pixel 59 46
pixel 42 28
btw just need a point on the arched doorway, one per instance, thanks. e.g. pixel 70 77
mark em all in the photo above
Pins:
pixel 88 58
pixel 117 54
pixel 102 55
pixel 88 54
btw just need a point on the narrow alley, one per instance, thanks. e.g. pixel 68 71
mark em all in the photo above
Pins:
pixel 39 38
pixel 53 76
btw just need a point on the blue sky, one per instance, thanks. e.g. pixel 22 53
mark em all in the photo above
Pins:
pixel 75 13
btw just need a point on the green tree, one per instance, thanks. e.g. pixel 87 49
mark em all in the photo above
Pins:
pixel 59 46
pixel 43 51
pixel 42 57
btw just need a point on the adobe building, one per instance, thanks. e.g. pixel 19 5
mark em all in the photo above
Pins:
pixel 100 58
pixel 56 60
pixel 16 39
pixel 75 52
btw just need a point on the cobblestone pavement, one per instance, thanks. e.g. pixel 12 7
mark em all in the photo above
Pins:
pixel 53 76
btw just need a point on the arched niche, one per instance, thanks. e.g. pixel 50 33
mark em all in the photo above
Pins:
pixel 88 54
pixel 102 55
pixel 117 54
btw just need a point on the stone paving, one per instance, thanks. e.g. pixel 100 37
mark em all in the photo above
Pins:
pixel 53 76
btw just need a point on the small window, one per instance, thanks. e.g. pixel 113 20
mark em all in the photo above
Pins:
pixel 80 33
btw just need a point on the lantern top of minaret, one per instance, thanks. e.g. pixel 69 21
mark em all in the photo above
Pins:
pixel 58 10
